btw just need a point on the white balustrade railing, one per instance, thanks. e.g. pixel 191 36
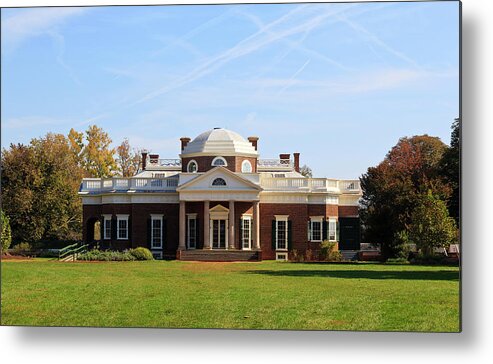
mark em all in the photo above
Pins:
pixel 275 163
pixel 128 184
pixel 309 184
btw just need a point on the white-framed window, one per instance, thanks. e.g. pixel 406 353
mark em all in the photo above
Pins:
pixel 219 182
pixel 192 166
pixel 316 228
pixel 122 227
pixel 156 231
pixel 281 232
pixel 332 229
pixel 106 227
pixel 192 231
pixel 246 167
pixel 157 254
pixel 283 257
pixel 246 232
pixel 219 162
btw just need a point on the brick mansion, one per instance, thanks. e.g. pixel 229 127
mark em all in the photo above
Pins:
pixel 220 201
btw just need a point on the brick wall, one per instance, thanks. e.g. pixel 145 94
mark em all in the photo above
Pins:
pixel 234 163
pixel 346 211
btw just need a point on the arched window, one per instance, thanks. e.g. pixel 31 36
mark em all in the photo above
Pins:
pixel 192 167
pixel 219 162
pixel 219 182
pixel 246 167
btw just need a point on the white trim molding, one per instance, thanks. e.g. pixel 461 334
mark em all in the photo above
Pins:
pixel 219 158
pixel 193 161
pixel 124 231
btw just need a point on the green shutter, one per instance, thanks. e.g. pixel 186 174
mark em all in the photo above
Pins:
pixel 165 230
pixel 274 235
pixel 325 235
pixel 149 227
pixel 290 235
pixel 240 237
pixel 309 229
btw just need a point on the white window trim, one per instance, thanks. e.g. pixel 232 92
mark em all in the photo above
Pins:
pixel 250 218
pixel 158 217
pixel 196 164
pixel 319 219
pixel 283 257
pixel 159 253
pixel 106 217
pixel 118 219
pixel 282 218
pixel 334 220
pixel 221 158
pixel 244 163
pixel 191 217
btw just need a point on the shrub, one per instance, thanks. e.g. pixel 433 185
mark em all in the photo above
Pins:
pixel 329 252
pixel 22 249
pixel 105 256
pixel 428 259
pixel 309 255
pixel 141 253
pixel 296 256
pixel 397 261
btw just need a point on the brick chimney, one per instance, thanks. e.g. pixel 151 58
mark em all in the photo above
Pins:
pixel 284 155
pixel 184 142
pixel 296 157
pixel 154 159
pixel 144 160
pixel 254 141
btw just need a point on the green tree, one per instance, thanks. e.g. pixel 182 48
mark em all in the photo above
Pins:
pixel 450 169
pixel 391 190
pixel 40 183
pixel 432 227
pixel 6 236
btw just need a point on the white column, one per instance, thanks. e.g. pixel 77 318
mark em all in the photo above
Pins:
pixel 207 242
pixel 181 245
pixel 231 227
pixel 256 225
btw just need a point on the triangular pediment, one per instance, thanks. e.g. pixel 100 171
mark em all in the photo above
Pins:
pixel 219 179
pixel 219 209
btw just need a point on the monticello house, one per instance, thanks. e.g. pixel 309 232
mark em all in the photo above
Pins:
pixel 220 201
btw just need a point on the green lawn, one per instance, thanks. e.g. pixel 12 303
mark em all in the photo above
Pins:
pixel 266 295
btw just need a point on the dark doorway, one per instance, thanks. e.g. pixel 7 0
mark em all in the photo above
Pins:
pixel 349 233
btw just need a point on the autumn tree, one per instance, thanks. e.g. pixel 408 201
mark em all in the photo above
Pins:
pixel 431 225
pixel 40 182
pixel 128 160
pixel 392 189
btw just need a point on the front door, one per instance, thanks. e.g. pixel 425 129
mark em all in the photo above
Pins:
pixel 218 234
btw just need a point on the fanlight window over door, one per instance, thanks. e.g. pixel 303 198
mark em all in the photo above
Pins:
pixel 219 182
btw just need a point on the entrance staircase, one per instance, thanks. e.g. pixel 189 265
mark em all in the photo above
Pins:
pixel 220 255
pixel 70 253
pixel 349 255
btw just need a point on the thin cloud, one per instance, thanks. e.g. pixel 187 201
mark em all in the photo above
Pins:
pixel 292 79
pixel 258 40
pixel 26 24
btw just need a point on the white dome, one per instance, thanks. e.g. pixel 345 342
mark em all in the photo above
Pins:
pixel 219 141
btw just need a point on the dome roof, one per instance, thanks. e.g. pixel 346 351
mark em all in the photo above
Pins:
pixel 219 141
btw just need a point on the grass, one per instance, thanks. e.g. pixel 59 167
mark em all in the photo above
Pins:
pixel 266 295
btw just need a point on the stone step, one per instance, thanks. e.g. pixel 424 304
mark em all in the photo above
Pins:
pixel 219 255
pixel 349 254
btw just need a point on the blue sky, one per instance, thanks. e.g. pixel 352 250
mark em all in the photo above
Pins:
pixel 339 83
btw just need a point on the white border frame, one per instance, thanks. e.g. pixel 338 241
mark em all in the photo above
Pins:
pixel 219 158
pixel 157 217
pixel 196 164
pixel 107 217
